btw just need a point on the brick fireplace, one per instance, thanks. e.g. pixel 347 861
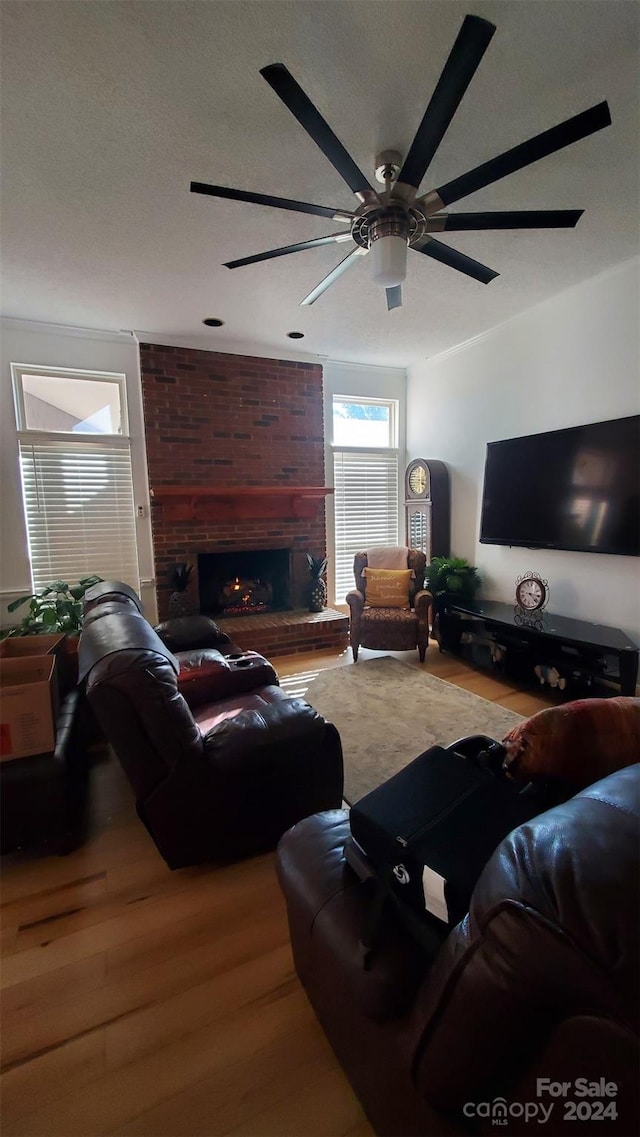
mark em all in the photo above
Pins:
pixel 233 445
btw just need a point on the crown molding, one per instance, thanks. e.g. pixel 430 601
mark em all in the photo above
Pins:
pixel 37 327
pixel 365 368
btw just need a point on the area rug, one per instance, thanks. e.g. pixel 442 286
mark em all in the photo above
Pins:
pixel 387 713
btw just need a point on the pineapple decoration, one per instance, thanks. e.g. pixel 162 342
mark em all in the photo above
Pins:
pixel 318 588
pixel 179 602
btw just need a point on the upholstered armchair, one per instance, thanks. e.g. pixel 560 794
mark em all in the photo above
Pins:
pixel 389 610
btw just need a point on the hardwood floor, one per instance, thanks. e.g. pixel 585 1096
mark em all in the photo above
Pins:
pixel 140 1001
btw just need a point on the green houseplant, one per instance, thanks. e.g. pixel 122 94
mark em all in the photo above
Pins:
pixel 453 575
pixel 56 608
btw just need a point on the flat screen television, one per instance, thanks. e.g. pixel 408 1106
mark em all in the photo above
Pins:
pixel 577 488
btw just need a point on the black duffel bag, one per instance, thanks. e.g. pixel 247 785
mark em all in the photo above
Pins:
pixel 428 831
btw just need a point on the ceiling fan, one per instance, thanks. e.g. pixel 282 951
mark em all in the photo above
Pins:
pixel 389 221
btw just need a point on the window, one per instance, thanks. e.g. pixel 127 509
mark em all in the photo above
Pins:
pixel 365 477
pixel 75 462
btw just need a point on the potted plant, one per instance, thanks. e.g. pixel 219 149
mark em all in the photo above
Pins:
pixel 452 575
pixel 56 608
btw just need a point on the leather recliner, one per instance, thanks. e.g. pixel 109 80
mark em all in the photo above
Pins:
pixel 537 985
pixel 220 759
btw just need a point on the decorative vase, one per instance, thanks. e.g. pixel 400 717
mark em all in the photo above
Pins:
pixel 180 605
pixel 180 602
pixel 318 587
pixel 317 595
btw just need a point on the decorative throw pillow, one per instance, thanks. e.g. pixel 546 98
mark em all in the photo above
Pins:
pixel 578 743
pixel 388 588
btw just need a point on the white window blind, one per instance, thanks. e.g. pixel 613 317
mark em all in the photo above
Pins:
pixel 78 497
pixel 366 508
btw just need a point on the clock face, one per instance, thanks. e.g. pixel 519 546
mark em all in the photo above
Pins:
pixel 530 594
pixel 418 480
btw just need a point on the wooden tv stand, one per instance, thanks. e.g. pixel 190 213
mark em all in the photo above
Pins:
pixel 573 647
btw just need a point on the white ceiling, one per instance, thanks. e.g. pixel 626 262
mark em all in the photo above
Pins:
pixel 110 109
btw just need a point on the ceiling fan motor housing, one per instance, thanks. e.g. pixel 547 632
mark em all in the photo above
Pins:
pixel 388 166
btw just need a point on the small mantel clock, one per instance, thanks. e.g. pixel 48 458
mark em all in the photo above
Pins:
pixel 532 596
pixel 426 503
pixel 532 592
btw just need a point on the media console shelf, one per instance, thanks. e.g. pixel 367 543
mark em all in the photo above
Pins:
pixel 576 648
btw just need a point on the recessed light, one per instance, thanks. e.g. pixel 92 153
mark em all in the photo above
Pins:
pixel 295 335
pixel 212 322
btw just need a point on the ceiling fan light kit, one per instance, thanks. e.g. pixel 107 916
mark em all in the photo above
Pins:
pixel 388 259
pixel 390 222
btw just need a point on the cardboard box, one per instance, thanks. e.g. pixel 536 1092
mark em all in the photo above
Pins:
pixel 19 646
pixel 26 706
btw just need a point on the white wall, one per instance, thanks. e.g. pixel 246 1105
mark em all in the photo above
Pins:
pixel 574 359
pixel 48 345
pixel 366 381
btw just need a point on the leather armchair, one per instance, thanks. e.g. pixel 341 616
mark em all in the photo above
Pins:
pixel 221 761
pixel 390 629
pixel 539 980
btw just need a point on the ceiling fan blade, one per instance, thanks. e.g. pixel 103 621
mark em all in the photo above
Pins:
pixel 472 42
pixel 454 259
pixel 394 297
pixel 580 126
pixel 283 252
pixel 333 275
pixel 513 219
pixel 275 202
pixel 294 98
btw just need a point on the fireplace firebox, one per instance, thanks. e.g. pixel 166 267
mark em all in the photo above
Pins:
pixel 244 582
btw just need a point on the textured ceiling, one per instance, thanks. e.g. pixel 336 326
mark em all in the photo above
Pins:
pixel 109 110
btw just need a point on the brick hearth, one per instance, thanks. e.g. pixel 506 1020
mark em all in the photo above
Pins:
pixel 288 633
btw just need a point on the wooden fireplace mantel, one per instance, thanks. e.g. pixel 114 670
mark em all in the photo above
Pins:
pixel 209 503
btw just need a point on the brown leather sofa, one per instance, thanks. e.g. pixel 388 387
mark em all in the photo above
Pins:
pixel 536 988
pixel 220 759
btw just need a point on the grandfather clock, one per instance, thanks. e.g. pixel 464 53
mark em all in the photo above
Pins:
pixel 427 507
